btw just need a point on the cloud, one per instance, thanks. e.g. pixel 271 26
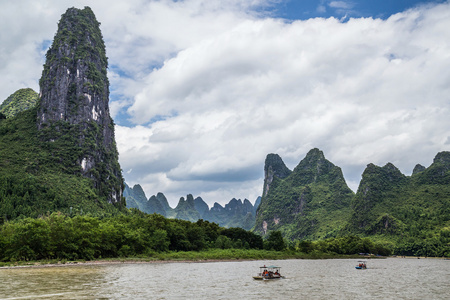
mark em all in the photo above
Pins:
pixel 340 4
pixel 21 45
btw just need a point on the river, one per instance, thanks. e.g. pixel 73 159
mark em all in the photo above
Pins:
pixel 392 278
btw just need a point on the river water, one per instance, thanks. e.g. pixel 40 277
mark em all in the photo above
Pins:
pixel 392 278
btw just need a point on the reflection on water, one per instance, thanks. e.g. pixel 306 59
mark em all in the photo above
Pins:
pixel 392 278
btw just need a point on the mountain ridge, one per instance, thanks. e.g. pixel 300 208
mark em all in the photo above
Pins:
pixel 236 213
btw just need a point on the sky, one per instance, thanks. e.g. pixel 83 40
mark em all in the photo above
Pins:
pixel 203 90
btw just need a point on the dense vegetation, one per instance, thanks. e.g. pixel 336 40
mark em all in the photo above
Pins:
pixel 38 176
pixel 410 215
pixel 21 100
pixel 136 234
pixel 343 245
pixel 312 202
pixel 85 237
pixel 410 212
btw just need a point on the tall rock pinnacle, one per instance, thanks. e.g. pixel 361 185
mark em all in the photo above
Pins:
pixel 74 91
pixel 273 167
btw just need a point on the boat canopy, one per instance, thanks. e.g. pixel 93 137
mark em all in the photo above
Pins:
pixel 270 267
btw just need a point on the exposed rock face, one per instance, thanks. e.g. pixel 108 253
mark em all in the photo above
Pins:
pixel 74 91
pixel 273 167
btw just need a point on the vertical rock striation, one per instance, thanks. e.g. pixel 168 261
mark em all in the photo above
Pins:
pixel 273 167
pixel 74 91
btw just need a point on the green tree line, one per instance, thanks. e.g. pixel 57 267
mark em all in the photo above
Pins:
pixel 84 237
pixel 59 236
pixel 343 245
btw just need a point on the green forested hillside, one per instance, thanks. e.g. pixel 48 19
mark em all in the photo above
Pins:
pixel 312 202
pixel 21 100
pixel 410 212
pixel 37 177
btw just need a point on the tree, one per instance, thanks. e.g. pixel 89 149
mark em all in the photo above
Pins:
pixel 275 241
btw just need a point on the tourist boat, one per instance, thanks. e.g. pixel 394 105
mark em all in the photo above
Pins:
pixel 268 273
pixel 361 265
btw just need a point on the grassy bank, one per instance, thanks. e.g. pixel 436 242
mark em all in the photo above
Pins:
pixel 188 256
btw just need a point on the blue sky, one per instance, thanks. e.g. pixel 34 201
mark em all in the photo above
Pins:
pixel 305 9
pixel 203 90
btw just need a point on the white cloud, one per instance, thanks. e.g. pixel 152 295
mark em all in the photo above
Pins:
pixel 341 4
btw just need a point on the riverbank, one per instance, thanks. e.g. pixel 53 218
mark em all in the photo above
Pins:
pixel 216 255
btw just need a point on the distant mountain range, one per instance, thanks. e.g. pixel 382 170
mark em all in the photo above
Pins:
pixel 236 213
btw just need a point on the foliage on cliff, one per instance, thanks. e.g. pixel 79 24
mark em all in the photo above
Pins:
pixel 21 100
pixel 312 202
pixel 411 212
pixel 410 215
pixel 37 177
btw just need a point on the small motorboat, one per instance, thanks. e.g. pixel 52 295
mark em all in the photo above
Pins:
pixel 361 265
pixel 268 273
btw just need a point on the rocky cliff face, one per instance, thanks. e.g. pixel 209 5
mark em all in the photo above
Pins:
pixel 274 167
pixel 74 91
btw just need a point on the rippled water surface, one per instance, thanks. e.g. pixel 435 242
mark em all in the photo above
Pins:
pixel 393 278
